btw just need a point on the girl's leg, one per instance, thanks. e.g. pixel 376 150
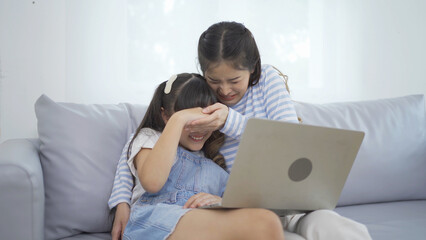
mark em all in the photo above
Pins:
pixel 327 224
pixel 228 224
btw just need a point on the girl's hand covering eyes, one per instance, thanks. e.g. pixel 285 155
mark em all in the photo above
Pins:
pixel 202 199
pixel 191 114
pixel 215 120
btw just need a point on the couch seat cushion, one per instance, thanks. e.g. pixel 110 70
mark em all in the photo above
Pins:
pixel 87 236
pixel 107 236
pixel 392 220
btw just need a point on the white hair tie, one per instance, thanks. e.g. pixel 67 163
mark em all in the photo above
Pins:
pixel 169 84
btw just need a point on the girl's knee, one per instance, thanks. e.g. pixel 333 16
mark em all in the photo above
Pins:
pixel 265 223
pixel 268 217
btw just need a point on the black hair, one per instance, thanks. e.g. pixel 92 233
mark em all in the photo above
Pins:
pixel 233 42
pixel 187 91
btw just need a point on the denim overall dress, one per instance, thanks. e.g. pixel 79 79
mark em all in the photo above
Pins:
pixel 154 216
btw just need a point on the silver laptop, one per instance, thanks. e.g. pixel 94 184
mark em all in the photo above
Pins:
pixel 290 167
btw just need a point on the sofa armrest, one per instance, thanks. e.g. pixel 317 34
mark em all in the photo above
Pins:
pixel 21 190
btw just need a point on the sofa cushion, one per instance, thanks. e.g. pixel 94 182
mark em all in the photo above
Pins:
pixel 90 236
pixel 391 161
pixel 79 150
pixel 107 236
pixel 392 220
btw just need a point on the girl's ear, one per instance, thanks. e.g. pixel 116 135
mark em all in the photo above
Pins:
pixel 164 115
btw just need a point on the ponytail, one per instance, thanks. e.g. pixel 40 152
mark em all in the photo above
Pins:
pixel 152 118
pixel 212 146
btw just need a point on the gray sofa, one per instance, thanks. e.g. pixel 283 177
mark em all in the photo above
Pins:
pixel 57 186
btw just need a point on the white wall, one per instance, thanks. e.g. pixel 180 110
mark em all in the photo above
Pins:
pixel 96 48
pixel 86 51
pixel 32 61
pixel 365 50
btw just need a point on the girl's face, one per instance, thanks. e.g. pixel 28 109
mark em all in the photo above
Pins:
pixel 229 84
pixel 193 141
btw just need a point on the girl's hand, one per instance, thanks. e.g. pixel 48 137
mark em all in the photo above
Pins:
pixel 202 199
pixel 215 120
pixel 122 215
pixel 190 114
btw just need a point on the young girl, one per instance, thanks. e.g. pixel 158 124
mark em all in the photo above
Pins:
pixel 231 64
pixel 180 171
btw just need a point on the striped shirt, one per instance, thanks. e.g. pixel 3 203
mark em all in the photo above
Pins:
pixel 268 99
pixel 123 181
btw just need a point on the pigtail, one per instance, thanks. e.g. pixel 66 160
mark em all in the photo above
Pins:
pixel 152 118
pixel 212 146
pixel 285 77
pixel 255 76
pixel 250 51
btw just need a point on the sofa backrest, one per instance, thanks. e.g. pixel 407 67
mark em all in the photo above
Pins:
pixel 80 146
pixel 391 163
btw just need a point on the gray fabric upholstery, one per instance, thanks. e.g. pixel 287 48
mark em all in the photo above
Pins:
pixel 107 236
pixel 393 220
pixel 391 162
pixel 79 150
pixel 79 146
pixel 90 236
pixel 21 191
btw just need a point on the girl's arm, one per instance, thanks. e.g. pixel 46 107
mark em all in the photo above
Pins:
pixel 121 194
pixel 275 104
pixel 278 103
pixel 223 118
pixel 123 181
pixel 234 125
pixel 154 165
pixel 121 218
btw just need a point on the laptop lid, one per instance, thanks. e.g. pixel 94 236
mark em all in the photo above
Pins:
pixel 288 166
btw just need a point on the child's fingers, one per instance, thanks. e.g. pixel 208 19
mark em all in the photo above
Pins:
pixel 202 123
pixel 207 201
pixel 199 200
pixel 207 119
pixel 188 203
pixel 191 200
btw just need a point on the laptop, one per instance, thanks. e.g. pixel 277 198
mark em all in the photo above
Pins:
pixel 289 167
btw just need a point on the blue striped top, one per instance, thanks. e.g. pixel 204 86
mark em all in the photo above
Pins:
pixel 267 99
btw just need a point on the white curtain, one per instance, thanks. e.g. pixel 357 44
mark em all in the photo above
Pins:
pixel 110 51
